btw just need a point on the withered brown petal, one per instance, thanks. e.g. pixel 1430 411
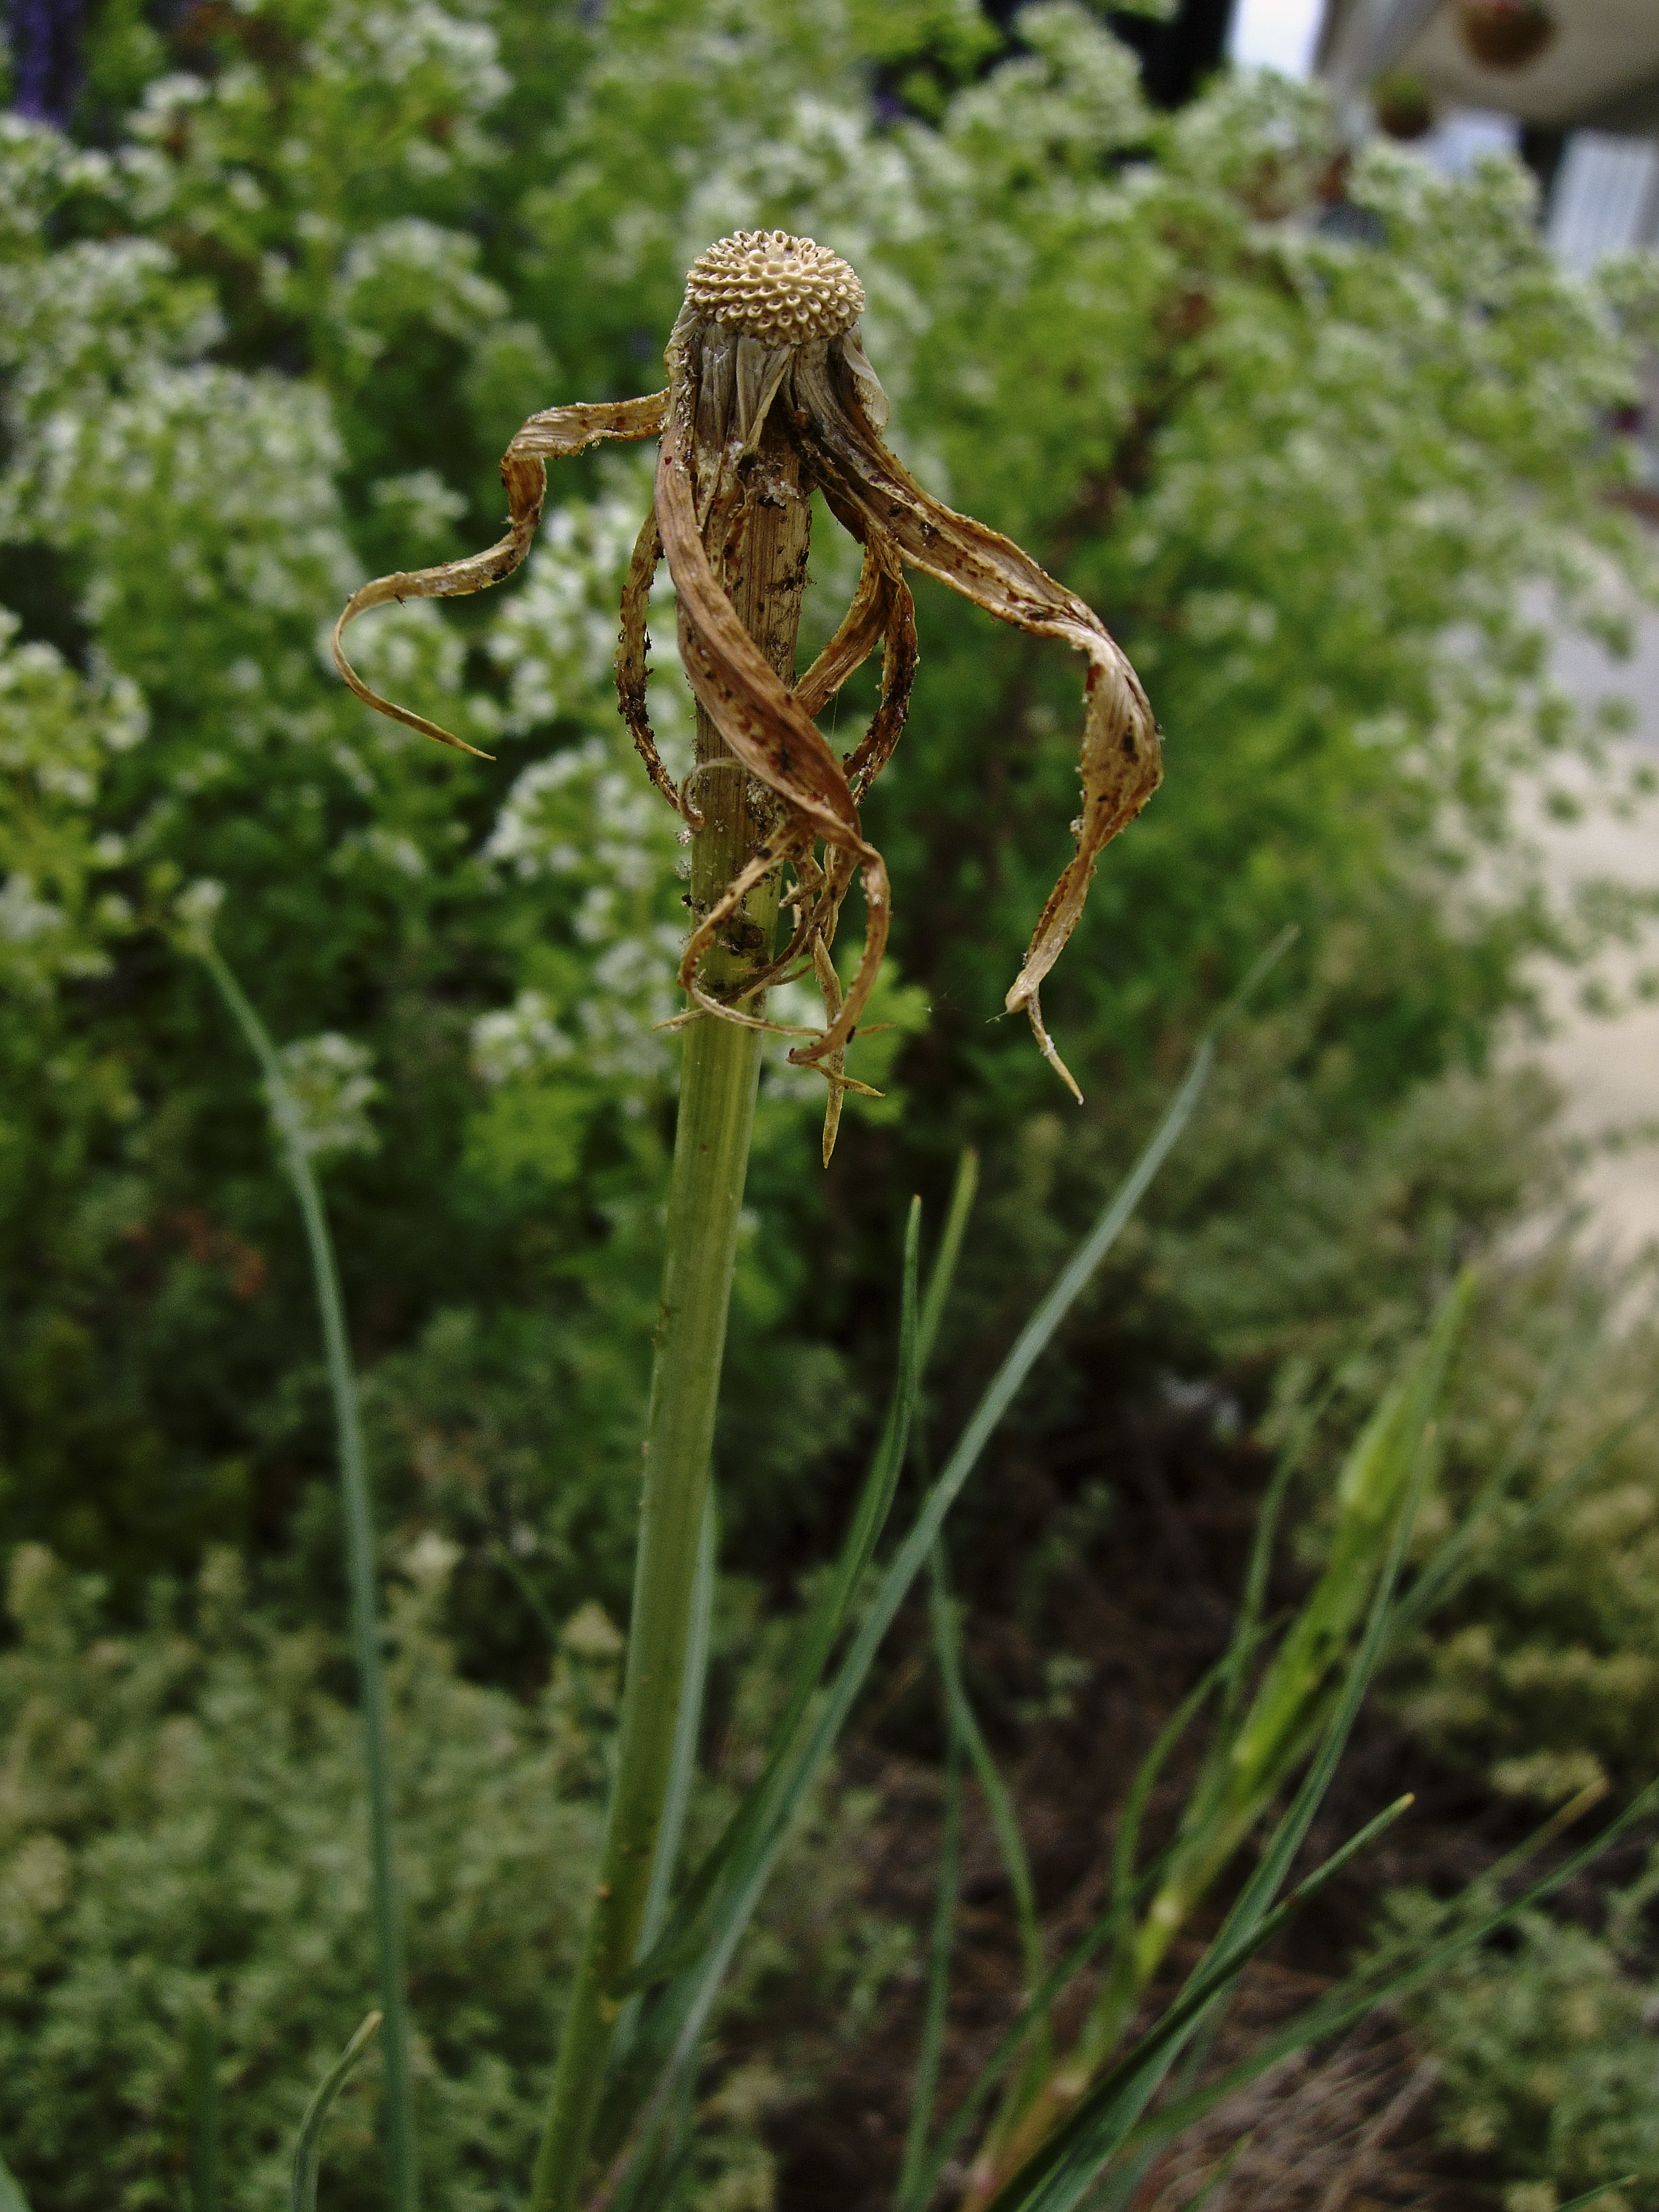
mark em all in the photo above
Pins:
pixel 552 435
pixel 631 670
pixel 760 720
pixel 1119 759
pixel 766 729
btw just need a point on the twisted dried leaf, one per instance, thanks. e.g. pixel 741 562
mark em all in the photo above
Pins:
pixel 1120 758
pixel 632 673
pixel 554 435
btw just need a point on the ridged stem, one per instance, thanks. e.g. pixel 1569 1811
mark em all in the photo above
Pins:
pixel 718 1081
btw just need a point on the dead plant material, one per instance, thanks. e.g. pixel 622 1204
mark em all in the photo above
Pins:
pixel 768 335
pixel 1346 2132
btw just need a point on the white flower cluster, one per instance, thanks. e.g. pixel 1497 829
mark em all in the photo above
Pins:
pixel 57 732
pixel 556 635
pixel 411 271
pixel 329 1089
pixel 588 815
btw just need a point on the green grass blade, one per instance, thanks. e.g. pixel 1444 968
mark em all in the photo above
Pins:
pixel 684 1934
pixel 1033 1340
pixel 1253 1603
pixel 503 1553
pixel 1004 1822
pixel 1601 2189
pixel 703 1928
pixel 1387 1462
pixel 765 1818
pixel 924 2095
pixel 1019 2030
pixel 943 1272
pixel 1060 2172
pixel 1127 1841
pixel 1221 2173
pixel 307 2151
pixel 1363 1992
pixel 1063 2167
pixel 1011 1845
pixel 360 1574
pixel 12 2199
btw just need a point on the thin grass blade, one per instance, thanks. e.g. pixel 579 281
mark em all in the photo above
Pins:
pixel 1066 2167
pixel 943 1271
pixel 1253 1602
pixel 1363 1992
pixel 746 1858
pixel 682 1937
pixel 1004 1822
pixel 307 2151
pixel 1058 2173
pixel 1221 2173
pixel 925 2090
pixel 703 1928
pixel 361 1580
pixel 1601 2189
pixel 1019 2030
pixel 12 2199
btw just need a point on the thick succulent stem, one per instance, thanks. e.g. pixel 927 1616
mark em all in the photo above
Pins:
pixel 765 573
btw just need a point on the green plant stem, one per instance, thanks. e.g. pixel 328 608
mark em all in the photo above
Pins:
pixel 718 1081
pixel 360 1574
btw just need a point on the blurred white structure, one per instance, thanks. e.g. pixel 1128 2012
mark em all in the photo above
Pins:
pixel 1276 34
pixel 1584 110
pixel 1606 194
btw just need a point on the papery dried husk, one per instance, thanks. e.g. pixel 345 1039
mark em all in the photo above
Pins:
pixel 1120 761
pixel 632 647
pixel 551 436
pixel 761 721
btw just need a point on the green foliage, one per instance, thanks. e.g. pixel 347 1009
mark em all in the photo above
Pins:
pixel 184 1830
pixel 271 332
pixel 183 1835
pixel 267 318
pixel 1547 2056
pixel 1540 1680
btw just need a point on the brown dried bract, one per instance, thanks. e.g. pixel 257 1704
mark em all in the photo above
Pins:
pixel 768 335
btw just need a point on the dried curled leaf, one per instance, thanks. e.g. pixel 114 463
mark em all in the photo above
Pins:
pixel 1120 759
pixel 554 435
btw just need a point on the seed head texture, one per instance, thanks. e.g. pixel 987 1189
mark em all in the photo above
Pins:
pixel 784 291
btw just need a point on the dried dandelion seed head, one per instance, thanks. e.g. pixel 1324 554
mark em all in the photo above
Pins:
pixel 764 284
pixel 767 343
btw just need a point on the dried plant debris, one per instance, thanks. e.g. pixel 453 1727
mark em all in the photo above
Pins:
pixel 768 336
pixel 1349 2130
